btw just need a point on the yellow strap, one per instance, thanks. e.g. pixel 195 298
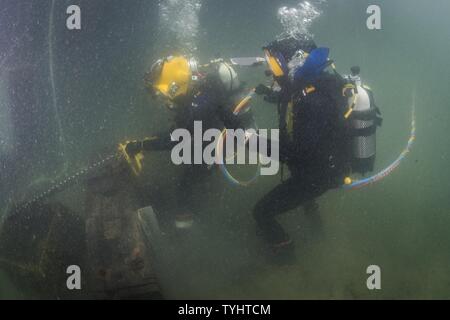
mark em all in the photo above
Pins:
pixel 351 107
pixel 351 87
pixel 348 113
pixel 290 119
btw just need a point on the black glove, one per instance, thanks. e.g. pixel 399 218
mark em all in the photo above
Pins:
pixel 133 148
pixel 262 90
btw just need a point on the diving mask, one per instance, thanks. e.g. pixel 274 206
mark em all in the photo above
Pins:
pixel 275 63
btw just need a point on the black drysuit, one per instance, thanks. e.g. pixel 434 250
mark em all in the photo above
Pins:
pixel 315 150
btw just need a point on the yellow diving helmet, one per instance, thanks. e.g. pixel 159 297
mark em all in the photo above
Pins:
pixel 172 76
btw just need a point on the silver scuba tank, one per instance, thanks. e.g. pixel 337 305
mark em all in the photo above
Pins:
pixel 364 122
pixel 364 143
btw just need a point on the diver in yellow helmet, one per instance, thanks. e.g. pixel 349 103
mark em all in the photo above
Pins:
pixel 315 139
pixel 193 92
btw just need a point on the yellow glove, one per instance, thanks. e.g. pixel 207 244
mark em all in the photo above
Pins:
pixel 132 152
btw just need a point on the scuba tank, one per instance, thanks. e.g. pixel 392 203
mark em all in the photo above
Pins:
pixel 364 120
pixel 228 76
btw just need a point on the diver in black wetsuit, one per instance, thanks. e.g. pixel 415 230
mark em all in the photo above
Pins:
pixel 194 93
pixel 314 140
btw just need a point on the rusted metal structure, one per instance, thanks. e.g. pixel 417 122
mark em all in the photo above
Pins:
pixel 110 239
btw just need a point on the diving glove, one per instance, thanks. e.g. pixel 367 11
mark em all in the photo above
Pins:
pixel 184 221
pixel 133 148
pixel 269 94
pixel 263 90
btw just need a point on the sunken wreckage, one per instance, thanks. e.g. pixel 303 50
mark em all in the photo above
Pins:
pixel 112 240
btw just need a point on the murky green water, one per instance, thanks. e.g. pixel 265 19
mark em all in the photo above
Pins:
pixel 56 120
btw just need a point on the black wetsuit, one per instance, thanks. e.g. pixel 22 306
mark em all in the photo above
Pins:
pixel 315 151
pixel 213 105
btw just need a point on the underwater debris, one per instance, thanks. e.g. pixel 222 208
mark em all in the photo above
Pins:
pixel 121 260
pixel 110 238
pixel 35 248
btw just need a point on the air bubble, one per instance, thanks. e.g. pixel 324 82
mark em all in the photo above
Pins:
pixel 297 21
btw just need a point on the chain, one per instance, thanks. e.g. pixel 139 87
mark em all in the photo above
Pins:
pixel 65 183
